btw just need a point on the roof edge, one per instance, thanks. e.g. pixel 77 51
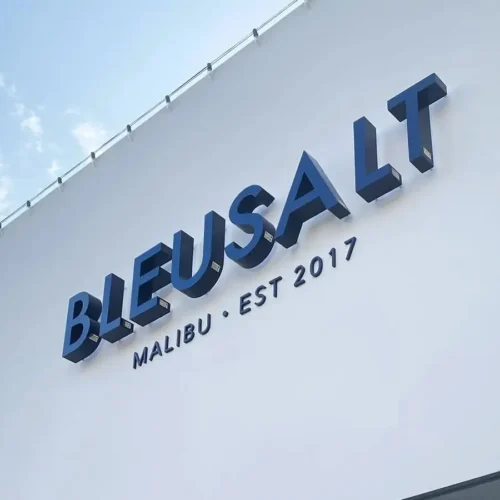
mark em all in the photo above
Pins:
pixel 165 102
pixel 457 487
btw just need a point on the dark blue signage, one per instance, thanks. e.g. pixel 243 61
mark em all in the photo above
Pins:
pixel 311 193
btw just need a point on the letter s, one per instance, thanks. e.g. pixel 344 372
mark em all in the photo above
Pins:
pixel 241 215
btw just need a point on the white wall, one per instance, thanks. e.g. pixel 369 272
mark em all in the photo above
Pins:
pixel 377 380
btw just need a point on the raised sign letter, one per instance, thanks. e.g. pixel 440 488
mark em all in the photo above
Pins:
pixel 241 215
pixel 371 182
pixel 412 105
pixel 213 258
pixel 149 277
pixel 311 194
pixel 81 338
pixel 113 326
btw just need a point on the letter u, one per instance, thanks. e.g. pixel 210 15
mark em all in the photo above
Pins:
pixel 208 274
pixel 202 331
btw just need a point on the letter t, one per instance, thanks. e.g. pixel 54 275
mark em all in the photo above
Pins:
pixel 412 105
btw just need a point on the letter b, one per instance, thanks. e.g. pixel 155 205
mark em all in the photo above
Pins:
pixel 81 338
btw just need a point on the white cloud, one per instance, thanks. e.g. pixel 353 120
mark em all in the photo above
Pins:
pixel 10 89
pixel 5 189
pixel 54 168
pixel 39 146
pixel 20 109
pixel 34 124
pixel 72 111
pixel 89 136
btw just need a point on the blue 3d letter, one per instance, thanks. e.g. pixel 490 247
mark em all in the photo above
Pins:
pixel 412 105
pixel 81 338
pixel 311 194
pixel 371 182
pixel 241 215
pixel 213 258
pixel 149 277
pixel 113 326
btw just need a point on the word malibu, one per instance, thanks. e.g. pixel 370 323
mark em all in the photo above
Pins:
pixel 89 320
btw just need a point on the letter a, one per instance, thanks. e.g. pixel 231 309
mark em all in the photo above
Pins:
pixel 311 194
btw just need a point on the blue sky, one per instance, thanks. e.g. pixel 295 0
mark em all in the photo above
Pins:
pixel 73 73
